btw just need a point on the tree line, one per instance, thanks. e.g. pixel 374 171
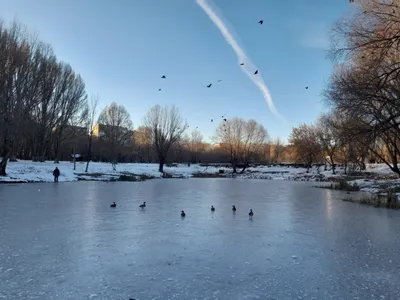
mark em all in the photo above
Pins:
pixel 40 97
pixel 46 114
pixel 363 93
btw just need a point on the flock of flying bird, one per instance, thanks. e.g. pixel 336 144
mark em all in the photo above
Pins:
pixel 261 22
pixel 210 85
pixel 183 214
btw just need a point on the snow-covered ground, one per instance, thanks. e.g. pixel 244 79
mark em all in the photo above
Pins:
pixel 28 171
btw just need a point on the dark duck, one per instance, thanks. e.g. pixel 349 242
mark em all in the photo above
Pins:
pixel 113 204
pixel 143 205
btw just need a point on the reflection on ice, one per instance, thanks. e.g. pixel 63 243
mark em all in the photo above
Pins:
pixel 302 243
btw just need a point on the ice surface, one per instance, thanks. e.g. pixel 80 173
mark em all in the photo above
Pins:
pixel 65 242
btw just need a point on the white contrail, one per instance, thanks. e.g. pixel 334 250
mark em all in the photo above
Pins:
pixel 248 67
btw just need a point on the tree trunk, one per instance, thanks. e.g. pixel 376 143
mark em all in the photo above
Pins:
pixel 234 167
pixel 161 165
pixel 74 158
pixel 396 170
pixel 246 165
pixel 3 164
pixel 333 165
pixel 7 146
pixel 87 166
pixel 89 154
pixel 56 150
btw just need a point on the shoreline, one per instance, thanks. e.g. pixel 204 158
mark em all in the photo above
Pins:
pixel 375 179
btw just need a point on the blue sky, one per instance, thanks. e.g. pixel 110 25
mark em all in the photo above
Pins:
pixel 122 48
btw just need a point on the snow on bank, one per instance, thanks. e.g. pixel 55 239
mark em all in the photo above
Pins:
pixel 28 171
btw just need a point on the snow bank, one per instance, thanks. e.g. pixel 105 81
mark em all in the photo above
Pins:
pixel 28 171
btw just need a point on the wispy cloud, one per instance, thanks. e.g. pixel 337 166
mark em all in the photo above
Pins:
pixel 316 40
pixel 248 68
pixel 311 34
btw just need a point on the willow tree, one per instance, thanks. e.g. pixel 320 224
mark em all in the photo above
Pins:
pixel 243 140
pixel 117 128
pixel 167 127
pixel 20 85
pixel 365 86
pixel 305 141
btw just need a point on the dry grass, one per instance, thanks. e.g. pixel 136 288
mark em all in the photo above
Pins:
pixel 385 201
pixel 341 185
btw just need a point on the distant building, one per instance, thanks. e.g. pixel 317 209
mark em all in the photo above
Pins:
pixel 102 130
pixel 219 145
pixel 99 130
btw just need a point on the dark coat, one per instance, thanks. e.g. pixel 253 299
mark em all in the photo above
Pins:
pixel 56 172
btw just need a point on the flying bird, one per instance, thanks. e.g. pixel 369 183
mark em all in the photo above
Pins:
pixel 232 40
pixel 260 22
pixel 209 85
pixel 242 64
pixel 159 89
pixel 256 72
pixel 306 87
pixel 163 77
pixel 225 120
pixel 212 120
pixel 219 80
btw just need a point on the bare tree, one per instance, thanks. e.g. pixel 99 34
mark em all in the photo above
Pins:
pixel 46 113
pixel 20 60
pixel 92 108
pixel 117 128
pixel 277 149
pixel 371 35
pixel 71 108
pixel 304 139
pixel 254 139
pixel 142 141
pixel 195 145
pixel 373 107
pixel 329 138
pixel 167 127
pixel 231 134
pixel 243 140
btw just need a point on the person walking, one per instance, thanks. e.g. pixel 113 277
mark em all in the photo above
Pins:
pixel 56 173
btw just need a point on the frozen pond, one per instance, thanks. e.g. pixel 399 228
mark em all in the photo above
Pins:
pixel 63 241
